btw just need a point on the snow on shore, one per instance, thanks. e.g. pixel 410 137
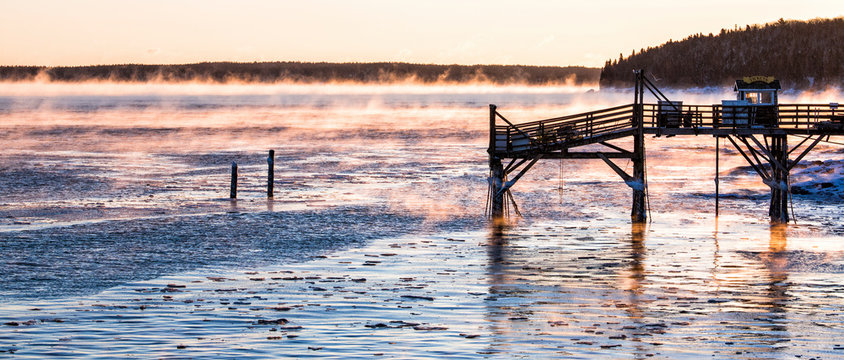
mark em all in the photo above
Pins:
pixel 822 179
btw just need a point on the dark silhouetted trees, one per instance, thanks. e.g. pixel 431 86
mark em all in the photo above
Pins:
pixel 802 54
pixel 268 72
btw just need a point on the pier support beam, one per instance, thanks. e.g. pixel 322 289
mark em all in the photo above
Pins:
pixel 638 214
pixel 638 211
pixel 496 173
pixel 635 182
pixel 775 152
pixel 778 149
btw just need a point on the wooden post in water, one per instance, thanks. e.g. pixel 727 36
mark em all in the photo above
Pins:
pixel 233 193
pixel 270 173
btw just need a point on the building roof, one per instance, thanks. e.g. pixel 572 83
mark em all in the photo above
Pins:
pixel 757 83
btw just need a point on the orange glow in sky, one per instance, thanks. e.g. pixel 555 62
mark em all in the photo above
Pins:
pixel 532 32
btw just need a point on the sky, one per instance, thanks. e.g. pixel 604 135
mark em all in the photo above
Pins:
pixel 527 32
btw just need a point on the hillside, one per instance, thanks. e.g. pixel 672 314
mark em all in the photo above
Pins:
pixel 302 72
pixel 802 54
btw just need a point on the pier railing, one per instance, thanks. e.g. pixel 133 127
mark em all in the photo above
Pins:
pixel 606 124
pixel 556 133
pixel 783 116
pixel 809 115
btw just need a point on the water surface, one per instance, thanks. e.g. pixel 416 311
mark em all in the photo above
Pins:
pixel 121 241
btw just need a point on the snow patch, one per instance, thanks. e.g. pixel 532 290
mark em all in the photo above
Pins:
pixel 821 179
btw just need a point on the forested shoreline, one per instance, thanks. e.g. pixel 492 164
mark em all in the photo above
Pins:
pixel 304 72
pixel 801 54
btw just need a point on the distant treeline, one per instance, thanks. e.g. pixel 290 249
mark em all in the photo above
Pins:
pixel 269 72
pixel 802 54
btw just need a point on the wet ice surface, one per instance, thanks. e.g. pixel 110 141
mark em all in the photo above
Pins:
pixel 119 240
pixel 576 289
pixel 84 259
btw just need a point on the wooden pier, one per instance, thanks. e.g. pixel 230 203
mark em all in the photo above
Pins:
pixel 759 133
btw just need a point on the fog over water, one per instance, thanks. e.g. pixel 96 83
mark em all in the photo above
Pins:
pixel 112 192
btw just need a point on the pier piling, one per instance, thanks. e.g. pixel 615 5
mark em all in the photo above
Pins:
pixel 638 210
pixel 496 172
pixel 778 149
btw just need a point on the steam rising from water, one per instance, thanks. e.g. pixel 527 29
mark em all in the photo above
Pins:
pixel 411 140
pixel 41 88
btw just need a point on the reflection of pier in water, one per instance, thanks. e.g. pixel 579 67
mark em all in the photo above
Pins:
pixel 759 322
pixel 622 294
pixel 551 295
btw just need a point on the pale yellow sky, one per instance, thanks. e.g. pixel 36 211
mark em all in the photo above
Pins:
pixel 533 32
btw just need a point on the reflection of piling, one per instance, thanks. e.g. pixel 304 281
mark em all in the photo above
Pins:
pixel 234 181
pixel 637 257
pixel 270 173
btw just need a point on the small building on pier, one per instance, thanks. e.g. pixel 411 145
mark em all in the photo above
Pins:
pixel 755 104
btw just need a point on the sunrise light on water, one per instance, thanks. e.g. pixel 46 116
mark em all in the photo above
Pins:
pixel 123 236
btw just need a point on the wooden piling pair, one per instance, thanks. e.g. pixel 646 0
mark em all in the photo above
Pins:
pixel 270 176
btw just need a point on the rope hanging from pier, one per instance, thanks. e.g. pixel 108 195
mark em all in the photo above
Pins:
pixel 562 182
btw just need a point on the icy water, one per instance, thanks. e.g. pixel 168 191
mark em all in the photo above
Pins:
pixel 119 239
